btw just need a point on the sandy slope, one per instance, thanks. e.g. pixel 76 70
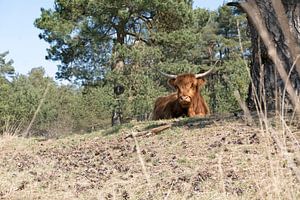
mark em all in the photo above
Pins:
pixel 209 158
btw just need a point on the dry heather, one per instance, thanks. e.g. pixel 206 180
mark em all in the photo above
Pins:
pixel 207 158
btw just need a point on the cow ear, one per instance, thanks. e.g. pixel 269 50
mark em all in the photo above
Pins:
pixel 201 82
pixel 171 82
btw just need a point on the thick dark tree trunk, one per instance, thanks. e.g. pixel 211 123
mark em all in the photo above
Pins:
pixel 281 34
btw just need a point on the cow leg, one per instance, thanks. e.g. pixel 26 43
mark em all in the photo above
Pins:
pixel 191 113
pixel 200 115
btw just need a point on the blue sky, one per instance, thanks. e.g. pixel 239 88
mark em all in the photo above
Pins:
pixel 19 36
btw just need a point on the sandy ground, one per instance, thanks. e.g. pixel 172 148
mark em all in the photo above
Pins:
pixel 207 158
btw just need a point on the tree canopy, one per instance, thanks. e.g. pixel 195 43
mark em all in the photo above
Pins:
pixel 88 36
pixel 101 44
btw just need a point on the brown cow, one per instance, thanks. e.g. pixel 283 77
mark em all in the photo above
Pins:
pixel 187 101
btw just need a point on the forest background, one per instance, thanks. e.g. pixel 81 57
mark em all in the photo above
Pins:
pixel 103 44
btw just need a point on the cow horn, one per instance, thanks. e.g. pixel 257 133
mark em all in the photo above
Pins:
pixel 168 75
pixel 204 74
pixel 207 72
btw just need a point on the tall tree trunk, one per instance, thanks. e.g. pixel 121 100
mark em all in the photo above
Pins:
pixel 118 65
pixel 275 36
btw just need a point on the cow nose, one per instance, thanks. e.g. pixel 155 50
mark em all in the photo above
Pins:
pixel 185 98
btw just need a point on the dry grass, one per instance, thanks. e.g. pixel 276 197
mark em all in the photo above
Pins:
pixel 211 158
pixel 11 129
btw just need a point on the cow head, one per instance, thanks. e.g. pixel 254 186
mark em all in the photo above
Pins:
pixel 187 86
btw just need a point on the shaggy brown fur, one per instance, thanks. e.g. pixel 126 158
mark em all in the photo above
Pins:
pixel 187 101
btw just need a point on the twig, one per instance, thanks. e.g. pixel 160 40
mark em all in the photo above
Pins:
pixel 160 129
pixel 284 90
pixel 169 191
pixel 149 132
pixel 245 109
pixel 26 133
pixel 138 150
pixel 222 185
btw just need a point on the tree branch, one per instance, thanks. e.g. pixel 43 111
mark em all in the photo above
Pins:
pixel 137 36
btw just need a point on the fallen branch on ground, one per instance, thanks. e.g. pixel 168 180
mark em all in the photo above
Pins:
pixel 153 131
